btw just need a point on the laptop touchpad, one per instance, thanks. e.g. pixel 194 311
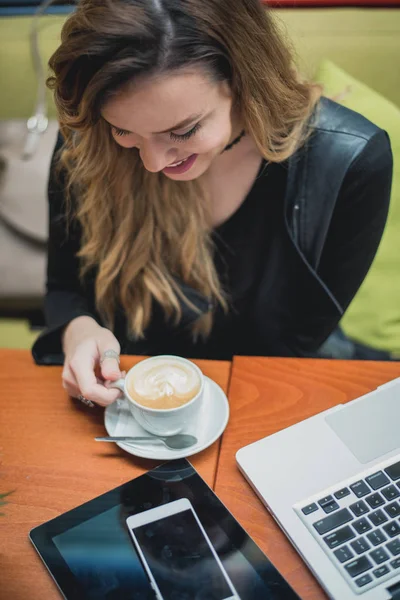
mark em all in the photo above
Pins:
pixel 370 426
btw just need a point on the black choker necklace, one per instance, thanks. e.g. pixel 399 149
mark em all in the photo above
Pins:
pixel 235 141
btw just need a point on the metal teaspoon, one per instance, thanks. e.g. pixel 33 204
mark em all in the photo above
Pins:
pixel 175 442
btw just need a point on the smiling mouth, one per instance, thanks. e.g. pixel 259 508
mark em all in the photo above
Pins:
pixel 176 164
pixel 180 166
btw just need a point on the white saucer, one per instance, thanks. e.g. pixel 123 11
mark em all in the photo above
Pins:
pixel 211 421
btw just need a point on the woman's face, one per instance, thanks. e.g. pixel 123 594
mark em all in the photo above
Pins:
pixel 177 117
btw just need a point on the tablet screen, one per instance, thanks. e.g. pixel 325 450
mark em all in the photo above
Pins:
pixel 90 554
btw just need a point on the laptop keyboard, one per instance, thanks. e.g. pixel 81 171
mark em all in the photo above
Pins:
pixel 357 523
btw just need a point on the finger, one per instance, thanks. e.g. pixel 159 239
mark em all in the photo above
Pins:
pixel 72 391
pixel 109 366
pixel 109 385
pixel 83 365
pixel 69 382
pixel 110 369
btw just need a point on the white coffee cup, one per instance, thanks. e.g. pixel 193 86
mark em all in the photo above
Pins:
pixel 163 421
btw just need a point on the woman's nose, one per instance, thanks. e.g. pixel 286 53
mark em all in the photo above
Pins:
pixel 156 157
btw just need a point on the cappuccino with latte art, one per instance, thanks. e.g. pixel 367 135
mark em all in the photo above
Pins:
pixel 164 382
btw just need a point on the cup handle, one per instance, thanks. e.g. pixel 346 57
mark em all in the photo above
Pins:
pixel 119 384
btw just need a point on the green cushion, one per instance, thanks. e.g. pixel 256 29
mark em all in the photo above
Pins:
pixel 365 42
pixel 373 317
pixel 15 333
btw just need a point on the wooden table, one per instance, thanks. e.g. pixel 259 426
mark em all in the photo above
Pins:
pixel 267 395
pixel 50 461
pixel 48 456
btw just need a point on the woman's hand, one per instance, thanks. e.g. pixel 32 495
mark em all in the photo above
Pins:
pixel 84 343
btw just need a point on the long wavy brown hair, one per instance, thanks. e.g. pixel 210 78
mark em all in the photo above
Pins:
pixel 142 232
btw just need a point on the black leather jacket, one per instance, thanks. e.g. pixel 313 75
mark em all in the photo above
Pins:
pixel 338 194
pixel 336 205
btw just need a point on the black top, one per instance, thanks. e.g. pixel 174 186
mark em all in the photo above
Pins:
pixel 247 257
pixel 279 304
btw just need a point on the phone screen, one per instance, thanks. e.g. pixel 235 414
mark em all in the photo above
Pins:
pixel 180 559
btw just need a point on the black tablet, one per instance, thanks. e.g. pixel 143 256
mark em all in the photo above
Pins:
pixel 90 550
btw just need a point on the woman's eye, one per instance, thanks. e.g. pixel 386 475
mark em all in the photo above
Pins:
pixel 120 132
pixel 185 136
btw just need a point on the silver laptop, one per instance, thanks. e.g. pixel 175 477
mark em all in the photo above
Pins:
pixel 332 483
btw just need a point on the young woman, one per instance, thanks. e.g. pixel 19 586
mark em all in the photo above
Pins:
pixel 204 200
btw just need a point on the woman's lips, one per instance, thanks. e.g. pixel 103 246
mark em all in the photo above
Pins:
pixel 181 166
